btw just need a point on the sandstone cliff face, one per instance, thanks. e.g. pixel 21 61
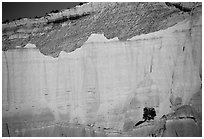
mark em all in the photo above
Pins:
pixel 106 83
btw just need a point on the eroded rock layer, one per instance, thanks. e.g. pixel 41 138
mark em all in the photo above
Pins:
pixel 101 88
pixel 69 29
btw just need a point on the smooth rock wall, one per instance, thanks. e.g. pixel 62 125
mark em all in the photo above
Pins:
pixel 105 82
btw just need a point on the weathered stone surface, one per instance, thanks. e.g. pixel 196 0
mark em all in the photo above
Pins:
pixel 182 128
pixel 106 83
pixel 69 29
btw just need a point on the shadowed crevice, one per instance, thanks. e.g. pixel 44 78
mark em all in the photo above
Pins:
pixel 178 6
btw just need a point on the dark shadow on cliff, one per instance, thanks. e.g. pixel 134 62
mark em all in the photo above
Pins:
pixel 64 18
pixel 149 114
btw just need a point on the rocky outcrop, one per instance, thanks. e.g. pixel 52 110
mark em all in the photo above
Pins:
pixel 102 88
pixel 69 29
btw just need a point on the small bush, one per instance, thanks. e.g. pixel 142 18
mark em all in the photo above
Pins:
pixel 6 21
pixel 149 113
pixel 54 11
pixel 81 3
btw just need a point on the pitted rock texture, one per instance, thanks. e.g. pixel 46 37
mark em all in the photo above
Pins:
pixel 69 29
